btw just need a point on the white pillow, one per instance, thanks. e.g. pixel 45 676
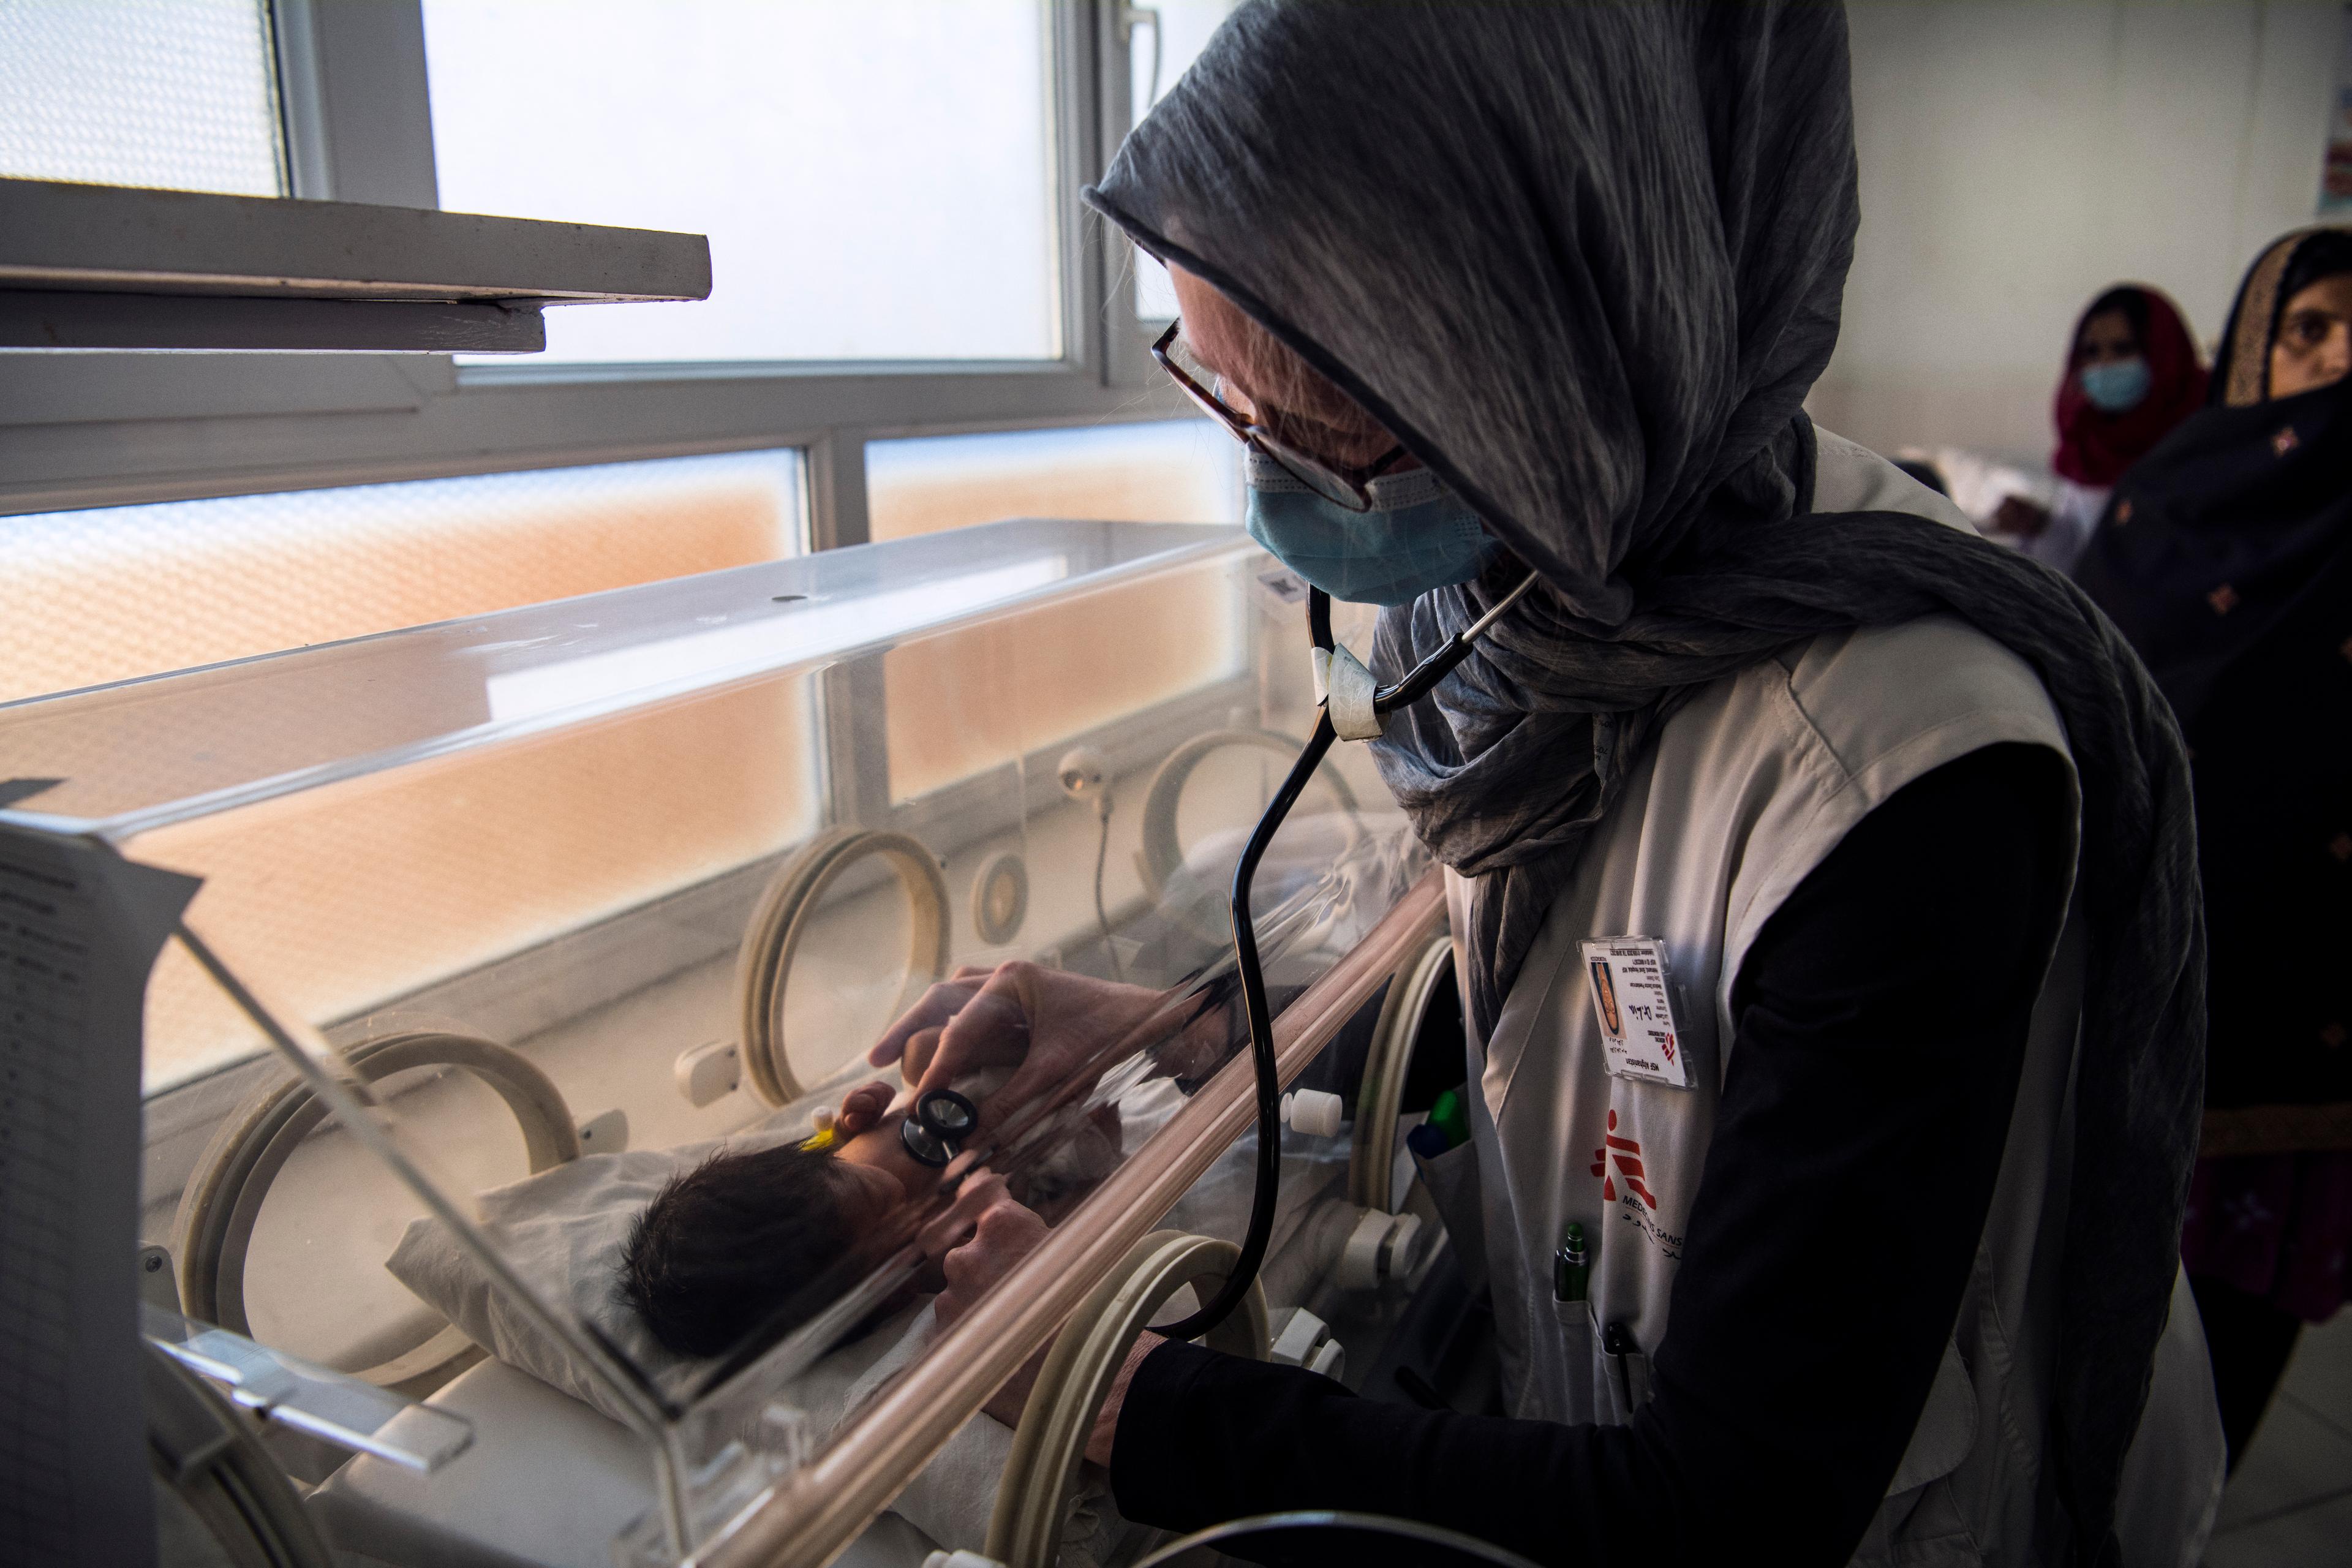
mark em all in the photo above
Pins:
pixel 562 1230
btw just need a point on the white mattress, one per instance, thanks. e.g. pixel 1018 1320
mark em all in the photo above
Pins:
pixel 547 1483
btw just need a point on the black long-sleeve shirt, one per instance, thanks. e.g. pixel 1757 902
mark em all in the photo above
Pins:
pixel 1880 1022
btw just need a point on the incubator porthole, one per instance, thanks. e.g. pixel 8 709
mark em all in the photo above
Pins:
pixel 1032 1498
pixel 213 1233
pixel 813 988
pixel 217 1484
pixel 1163 859
pixel 1423 986
pixel 1000 898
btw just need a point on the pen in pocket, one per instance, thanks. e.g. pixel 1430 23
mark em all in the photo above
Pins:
pixel 1569 1267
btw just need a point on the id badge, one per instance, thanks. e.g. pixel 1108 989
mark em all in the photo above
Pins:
pixel 1633 1001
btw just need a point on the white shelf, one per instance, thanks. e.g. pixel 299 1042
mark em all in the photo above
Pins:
pixel 86 266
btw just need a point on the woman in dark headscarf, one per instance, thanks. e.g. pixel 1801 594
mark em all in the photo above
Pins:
pixel 2226 557
pixel 1883 1201
pixel 2131 375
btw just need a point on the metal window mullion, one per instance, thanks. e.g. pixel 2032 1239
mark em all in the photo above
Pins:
pixel 48 463
pixel 356 120
pixel 351 82
pixel 301 102
pixel 856 757
pixel 836 489
pixel 1074 29
pixel 1126 357
pixel 853 757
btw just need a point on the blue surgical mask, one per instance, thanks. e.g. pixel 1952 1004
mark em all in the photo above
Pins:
pixel 2116 387
pixel 1418 535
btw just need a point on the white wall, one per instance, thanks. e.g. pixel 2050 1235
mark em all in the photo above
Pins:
pixel 2018 158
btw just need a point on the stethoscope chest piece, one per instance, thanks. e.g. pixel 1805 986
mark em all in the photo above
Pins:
pixel 935 1131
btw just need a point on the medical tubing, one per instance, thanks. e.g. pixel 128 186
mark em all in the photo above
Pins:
pixel 1307 1520
pixel 1102 916
pixel 1261 1028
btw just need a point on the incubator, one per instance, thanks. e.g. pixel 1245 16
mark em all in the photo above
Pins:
pixel 460 944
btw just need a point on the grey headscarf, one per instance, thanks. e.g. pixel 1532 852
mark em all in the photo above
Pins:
pixel 1585 260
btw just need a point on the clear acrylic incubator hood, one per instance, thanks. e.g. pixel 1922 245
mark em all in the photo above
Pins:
pixel 360 996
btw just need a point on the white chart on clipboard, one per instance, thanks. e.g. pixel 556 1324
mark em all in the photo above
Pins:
pixel 80 928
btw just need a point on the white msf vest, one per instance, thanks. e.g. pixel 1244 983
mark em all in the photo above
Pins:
pixel 1749 787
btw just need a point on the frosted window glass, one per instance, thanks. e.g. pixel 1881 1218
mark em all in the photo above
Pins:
pixel 1185 26
pixel 1182 470
pixel 874 179
pixel 179 94
pixel 115 592
pixel 966 700
pixel 367 890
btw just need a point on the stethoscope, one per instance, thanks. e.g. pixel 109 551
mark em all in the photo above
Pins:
pixel 1350 705
pixel 934 1131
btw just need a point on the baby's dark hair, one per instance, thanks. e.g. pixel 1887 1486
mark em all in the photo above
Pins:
pixel 2129 299
pixel 725 1246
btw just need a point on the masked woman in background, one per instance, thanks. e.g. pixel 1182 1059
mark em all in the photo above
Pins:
pixel 2131 375
pixel 2226 558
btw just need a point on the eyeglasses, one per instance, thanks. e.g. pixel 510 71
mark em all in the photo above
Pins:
pixel 1335 482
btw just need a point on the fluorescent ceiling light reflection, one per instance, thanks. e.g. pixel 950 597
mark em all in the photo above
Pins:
pixel 701 658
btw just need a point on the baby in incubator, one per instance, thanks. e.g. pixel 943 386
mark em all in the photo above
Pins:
pixel 767 1236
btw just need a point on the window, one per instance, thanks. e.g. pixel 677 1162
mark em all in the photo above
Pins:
pixel 900 258
pixel 1159 51
pixel 1183 471
pixel 180 94
pixel 876 181
pixel 119 591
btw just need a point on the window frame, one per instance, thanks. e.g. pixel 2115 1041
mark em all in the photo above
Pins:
pixel 80 430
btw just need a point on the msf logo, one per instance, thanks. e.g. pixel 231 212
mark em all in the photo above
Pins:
pixel 1625 1154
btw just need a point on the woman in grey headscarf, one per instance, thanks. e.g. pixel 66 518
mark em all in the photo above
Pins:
pixel 1885 825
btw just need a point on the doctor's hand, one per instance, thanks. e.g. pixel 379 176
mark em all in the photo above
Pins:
pixel 976 1243
pixel 984 1233
pixel 914 1037
pixel 1052 1023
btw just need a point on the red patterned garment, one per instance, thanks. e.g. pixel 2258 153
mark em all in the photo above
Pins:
pixel 2275 1227
pixel 2094 446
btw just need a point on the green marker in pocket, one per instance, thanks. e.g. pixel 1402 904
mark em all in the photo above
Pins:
pixel 1569 1267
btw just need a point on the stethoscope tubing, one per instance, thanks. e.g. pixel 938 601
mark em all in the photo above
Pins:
pixel 1260 1031
pixel 1417 684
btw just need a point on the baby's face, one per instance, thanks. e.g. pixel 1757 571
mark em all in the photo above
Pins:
pixel 869 1189
pixel 879 1178
pixel 875 1158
